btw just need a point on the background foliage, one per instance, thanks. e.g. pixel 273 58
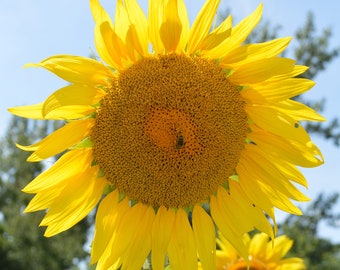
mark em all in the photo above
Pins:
pixel 22 244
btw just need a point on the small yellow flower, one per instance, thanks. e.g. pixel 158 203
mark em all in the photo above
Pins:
pixel 263 254
pixel 176 118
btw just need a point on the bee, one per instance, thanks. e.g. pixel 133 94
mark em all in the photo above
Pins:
pixel 180 142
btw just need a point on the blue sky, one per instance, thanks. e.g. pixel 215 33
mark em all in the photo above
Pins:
pixel 32 30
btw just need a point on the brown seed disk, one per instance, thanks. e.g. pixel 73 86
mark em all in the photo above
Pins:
pixel 170 130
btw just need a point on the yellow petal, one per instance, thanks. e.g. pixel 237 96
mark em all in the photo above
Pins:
pixel 77 69
pixel 62 113
pixel 138 19
pixel 265 170
pixel 297 70
pixel 161 233
pixel 133 45
pixel 102 38
pixel 202 25
pixel 252 189
pixel 31 111
pixel 258 245
pixel 277 191
pixel 282 245
pixel 72 95
pixel 171 28
pixel 67 166
pixel 223 223
pixel 106 259
pixel 101 17
pixel 217 36
pixel 43 200
pixel 261 70
pixel 293 263
pixel 233 210
pixel 298 111
pixel 304 154
pixel 124 235
pixel 204 232
pixel 114 46
pixel 253 214
pixel 141 245
pixel 291 172
pixel 239 34
pixel 155 19
pixel 253 52
pixel 98 12
pixel 63 138
pixel 278 199
pixel 182 249
pixel 276 91
pixel 77 199
pixel 127 32
pixel 277 122
pixel 184 19
pixel 241 31
pixel 227 252
pixel 71 112
pixel 106 220
pixel 121 21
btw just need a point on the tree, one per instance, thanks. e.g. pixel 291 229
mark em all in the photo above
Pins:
pixel 319 253
pixel 22 244
pixel 314 52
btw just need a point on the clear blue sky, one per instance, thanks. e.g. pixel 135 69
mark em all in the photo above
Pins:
pixel 32 30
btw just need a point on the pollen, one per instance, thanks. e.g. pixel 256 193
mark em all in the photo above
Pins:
pixel 170 130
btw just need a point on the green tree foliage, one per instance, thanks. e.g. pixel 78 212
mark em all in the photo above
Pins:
pixel 22 244
pixel 319 253
pixel 313 51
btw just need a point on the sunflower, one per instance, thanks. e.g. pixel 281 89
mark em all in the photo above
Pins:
pixel 263 254
pixel 172 119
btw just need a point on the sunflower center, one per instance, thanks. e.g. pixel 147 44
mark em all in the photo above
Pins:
pixel 170 130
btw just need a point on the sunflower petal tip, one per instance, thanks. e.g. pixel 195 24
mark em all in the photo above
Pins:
pixel 259 8
pixel 19 146
pixel 322 118
pixel 28 190
pixel 30 65
pixel 34 158
pixel 47 233
pixel 288 39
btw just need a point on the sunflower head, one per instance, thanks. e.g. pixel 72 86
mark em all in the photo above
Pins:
pixel 171 118
pixel 264 254
pixel 167 124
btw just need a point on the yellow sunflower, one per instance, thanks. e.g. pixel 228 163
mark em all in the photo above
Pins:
pixel 263 254
pixel 170 119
